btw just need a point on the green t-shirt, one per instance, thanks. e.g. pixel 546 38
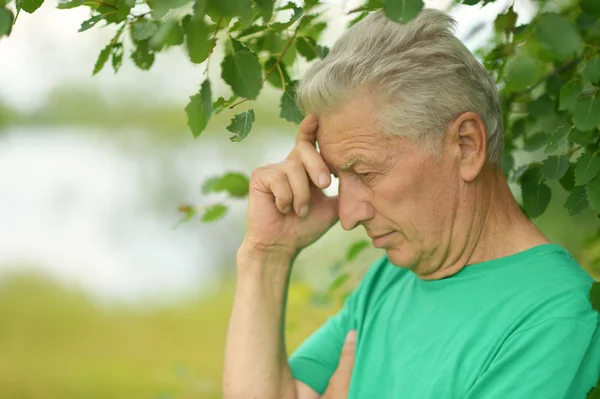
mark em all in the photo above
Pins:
pixel 517 327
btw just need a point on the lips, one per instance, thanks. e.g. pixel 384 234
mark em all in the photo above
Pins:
pixel 380 240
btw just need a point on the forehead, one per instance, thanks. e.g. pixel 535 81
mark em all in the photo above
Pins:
pixel 352 132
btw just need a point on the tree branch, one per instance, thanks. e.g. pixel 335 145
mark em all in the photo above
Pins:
pixel 557 71
pixel 285 49
pixel 212 45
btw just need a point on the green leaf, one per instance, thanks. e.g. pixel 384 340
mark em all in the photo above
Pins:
pixel 102 58
pixel 338 282
pixel 234 183
pixel 309 49
pixel 555 167
pixel 541 107
pixel 522 71
pixel 568 180
pixel 591 69
pixel 576 201
pixel 554 84
pixel 70 4
pixel 583 137
pixel 586 168
pixel 230 8
pixel 535 141
pixel 241 70
pixel 197 35
pixel 143 29
pixel 586 112
pixel 240 125
pixel 199 109
pixel 518 128
pixel 6 21
pixel 505 23
pixel 143 56
pixel 221 104
pixel 87 24
pixel 214 212
pixel 558 35
pixel 266 9
pixel 470 2
pixel 279 26
pixel 591 7
pixel 593 194
pixel 279 77
pixel 558 138
pixel 508 163
pixel 402 11
pixel 117 56
pixel 209 184
pixel 536 194
pixel 188 213
pixel 31 5
pixel 518 173
pixel 289 107
pixel 123 9
pixel 251 30
pixel 356 249
pixel 569 93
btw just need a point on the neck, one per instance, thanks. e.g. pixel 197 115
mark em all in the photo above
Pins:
pixel 496 229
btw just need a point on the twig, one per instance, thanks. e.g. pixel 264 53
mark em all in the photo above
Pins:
pixel 285 49
pixel 557 71
pixel 574 150
pixel 212 45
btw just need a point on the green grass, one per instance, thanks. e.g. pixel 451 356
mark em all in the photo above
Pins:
pixel 57 343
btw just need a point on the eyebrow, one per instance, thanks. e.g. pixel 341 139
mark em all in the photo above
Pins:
pixel 351 162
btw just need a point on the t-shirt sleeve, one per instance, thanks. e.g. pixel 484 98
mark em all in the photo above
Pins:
pixel 543 361
pixel 316 359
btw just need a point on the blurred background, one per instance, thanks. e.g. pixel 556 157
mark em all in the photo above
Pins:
pixel 102 293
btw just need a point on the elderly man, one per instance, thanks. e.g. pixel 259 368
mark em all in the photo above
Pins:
pixel 471 299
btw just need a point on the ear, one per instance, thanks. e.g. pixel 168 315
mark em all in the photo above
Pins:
pixel 471 137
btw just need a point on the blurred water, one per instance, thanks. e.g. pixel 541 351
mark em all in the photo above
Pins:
pixel 97 212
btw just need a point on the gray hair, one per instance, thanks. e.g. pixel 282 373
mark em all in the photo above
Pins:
pixel 423 77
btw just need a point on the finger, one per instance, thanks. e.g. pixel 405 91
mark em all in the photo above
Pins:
pixel 346 363
pixel 339 384
pixel 307 131
pixel 276 182
pixel 298 181
pixel 313 163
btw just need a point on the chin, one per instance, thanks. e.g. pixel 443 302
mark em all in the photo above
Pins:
pixel 404 258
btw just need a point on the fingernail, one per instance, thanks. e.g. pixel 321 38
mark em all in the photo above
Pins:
pixel 323 179
pixel 304 211
pixel 287 209
pixel 351 337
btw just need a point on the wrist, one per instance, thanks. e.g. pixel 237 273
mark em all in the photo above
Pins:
pixel 256 252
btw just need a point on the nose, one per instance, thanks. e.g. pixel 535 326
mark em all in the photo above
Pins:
pixel 353 204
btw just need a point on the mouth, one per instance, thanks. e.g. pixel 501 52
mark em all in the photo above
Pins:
pixel 381 240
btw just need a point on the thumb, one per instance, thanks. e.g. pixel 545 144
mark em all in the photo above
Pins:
pixel 339 384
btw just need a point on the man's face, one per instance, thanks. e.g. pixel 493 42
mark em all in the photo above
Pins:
pixel 404 196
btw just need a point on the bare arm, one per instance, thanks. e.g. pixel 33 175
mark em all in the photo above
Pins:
pixel 256 360
pixel 279 226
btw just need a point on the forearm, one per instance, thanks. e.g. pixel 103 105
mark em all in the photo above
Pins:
pixel 255 357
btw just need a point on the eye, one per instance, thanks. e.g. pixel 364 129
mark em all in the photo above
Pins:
pixel 364 174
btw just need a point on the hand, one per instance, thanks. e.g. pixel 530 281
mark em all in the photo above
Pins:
pixel 287 209
pixel 339 384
